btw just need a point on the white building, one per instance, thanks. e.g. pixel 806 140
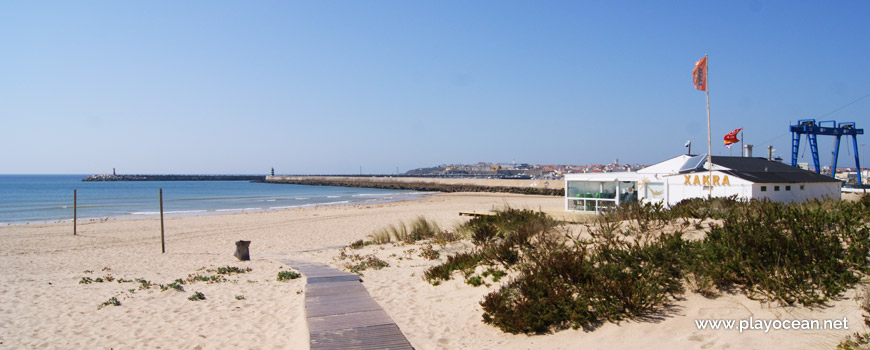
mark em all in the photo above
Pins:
pixel 685 177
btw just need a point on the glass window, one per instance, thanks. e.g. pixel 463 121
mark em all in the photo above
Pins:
pixel 628 191
pixel 606 205
pixel 591 189
pixel 608 190
pixel 763 188
pixel 788 188
pixel 575 204
pixel 582 189
pixel 776 188
pixel 802 187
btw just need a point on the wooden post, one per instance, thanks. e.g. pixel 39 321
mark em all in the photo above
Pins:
pixel 75 211
pixel 162 241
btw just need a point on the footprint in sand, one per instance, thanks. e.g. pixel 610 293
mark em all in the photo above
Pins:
pixel 697 337
pixel 711 344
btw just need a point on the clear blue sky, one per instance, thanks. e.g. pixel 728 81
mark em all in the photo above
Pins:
pixel 329 86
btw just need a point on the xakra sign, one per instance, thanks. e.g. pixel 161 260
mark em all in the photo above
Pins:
pixel 705 180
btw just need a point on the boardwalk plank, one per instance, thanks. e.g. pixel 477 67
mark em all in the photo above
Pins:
pixel 325 273
pixel 333 279
pixel 374 337
pixel 353 320
pixel 342 315
pixel 333 288
pixel 341 308
pixel 335 298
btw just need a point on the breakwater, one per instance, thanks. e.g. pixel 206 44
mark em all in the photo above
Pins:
pixel 109 177
pixel 540 187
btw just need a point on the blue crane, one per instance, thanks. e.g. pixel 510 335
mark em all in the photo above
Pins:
pixel 811 128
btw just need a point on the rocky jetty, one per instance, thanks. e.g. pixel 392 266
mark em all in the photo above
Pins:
pixel 419 184
pixel 110 177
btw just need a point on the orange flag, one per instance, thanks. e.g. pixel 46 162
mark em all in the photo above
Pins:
pixel 731 137
pixel 699 74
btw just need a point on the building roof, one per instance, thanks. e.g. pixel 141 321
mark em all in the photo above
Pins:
pixel 669 166
pixel 605 177
pixel 763 170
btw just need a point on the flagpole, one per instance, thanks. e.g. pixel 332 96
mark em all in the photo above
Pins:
pixel 709 137
pixel 742 136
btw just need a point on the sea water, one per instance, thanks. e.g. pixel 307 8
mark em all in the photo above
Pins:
pixel 41 198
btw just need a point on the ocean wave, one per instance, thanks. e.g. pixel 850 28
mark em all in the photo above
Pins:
pixel 167 212
pixel 215 198
pixel 240 209
pixel 333 196
pixel 79 206
pixel 328 203
pixel 372 195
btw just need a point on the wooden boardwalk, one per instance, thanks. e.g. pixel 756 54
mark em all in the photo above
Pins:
pixel 341 314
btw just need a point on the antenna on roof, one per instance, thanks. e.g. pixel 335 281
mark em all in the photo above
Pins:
pixel 689 145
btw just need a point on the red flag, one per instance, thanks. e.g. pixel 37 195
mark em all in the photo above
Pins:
pixel 699 74
pixel 731 137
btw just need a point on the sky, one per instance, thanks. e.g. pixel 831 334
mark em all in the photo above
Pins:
pixel 339 87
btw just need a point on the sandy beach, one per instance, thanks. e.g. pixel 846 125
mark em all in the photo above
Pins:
pixel 44 304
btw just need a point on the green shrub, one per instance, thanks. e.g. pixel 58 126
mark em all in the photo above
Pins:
pixel 205 278
pixel 229 270
pixel 196 296
pixel 429 253
pixel 143 284
pixel 501 237
pixel 474 281
pixel 366 262
pixel 704 208
pixel 357 244
pixel 799 253
pixel 457 262
pixel 288 275
pixel 174 285
pixel 495 273
pixel 111 302
pixel 635 262
pixel 580 285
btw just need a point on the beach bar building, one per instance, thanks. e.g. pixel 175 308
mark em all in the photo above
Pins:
pixel 685 177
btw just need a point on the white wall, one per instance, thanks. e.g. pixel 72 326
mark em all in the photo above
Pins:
pixel 677 190
pixel 812 190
